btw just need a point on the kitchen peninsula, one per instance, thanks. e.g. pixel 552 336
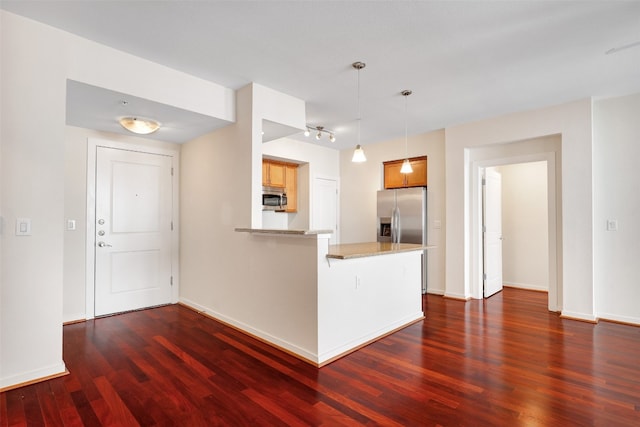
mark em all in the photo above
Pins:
pixel 324 301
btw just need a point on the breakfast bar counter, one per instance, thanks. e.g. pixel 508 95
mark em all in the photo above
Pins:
pixel 360 250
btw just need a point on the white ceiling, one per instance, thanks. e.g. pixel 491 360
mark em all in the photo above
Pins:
pixel 464 61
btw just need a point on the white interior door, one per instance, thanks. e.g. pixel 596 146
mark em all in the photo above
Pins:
pixel 325 206
pixel 133 230
pixel 492 235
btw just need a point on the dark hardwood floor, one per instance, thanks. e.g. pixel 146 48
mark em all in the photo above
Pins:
pixel 504 361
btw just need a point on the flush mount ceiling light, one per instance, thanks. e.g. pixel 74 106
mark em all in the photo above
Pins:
pixel 320 130
pixel 139 125
pixel 406 165
pixel 358 153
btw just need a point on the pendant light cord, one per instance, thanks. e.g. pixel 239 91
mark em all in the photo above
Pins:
pixel 406 144
pixel 359 115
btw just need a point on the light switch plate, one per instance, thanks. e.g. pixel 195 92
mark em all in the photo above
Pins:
pixel 23 226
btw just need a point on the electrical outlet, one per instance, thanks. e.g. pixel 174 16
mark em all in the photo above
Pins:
pixel 612 225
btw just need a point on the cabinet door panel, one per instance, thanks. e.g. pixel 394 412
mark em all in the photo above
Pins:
pixel 265 174
pixel 277 175
pixel 392 176
pixel 292 188
pixel 418 178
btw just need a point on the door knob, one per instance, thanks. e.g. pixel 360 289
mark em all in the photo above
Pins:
pixel 103 244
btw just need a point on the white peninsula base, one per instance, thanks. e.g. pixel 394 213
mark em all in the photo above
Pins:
pixel 321 302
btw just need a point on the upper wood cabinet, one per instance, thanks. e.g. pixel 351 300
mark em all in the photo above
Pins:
pixel 292 188
pixel 273 174
pixel 282 175
pixel 394 179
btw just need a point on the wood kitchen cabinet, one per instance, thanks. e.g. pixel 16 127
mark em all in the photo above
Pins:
pixel 274 174
pixel 282 175
pixel 292 188
pixel 394 179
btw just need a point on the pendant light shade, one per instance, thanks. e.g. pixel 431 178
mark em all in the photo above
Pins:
pixel 406 165
pixel 358 154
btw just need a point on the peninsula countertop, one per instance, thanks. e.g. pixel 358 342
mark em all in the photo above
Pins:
pixel 283 231
pixel 361 250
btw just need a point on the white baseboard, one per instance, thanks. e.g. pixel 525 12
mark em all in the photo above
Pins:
pixel 435 291
pixel 526 286
pixel 257 333
pixel 456 296
pixel 33 376
pixel 621 319
pixel 579 316
pixel 74 318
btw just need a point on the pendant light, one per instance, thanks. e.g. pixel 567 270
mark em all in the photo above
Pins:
pixel 406 165
pixel 358 154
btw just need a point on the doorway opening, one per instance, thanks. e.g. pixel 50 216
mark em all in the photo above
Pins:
pixel 515 227
pixel 509 154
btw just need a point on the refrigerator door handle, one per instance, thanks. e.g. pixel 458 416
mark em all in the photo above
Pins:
pixel 395 226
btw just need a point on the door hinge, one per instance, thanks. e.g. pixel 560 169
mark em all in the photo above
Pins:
pixel 171 225
pixel 171 171
pixel 484 228
pixel 484 181
pixel 484 277
pixel 171 280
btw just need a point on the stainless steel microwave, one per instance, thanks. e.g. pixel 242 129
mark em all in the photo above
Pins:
pixel 273 199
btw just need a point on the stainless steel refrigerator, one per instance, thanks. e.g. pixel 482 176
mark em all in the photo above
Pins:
pixel 402 218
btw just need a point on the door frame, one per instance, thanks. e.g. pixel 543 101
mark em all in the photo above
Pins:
pixel 92 146
pixel 554 237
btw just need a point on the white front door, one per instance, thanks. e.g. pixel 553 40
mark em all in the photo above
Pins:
pixel 133 230
pixel 492 225
pixel 325 206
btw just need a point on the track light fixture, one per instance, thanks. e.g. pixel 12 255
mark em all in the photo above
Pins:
pixel 320 130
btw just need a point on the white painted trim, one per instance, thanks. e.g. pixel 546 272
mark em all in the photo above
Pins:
pixel 525 286
pixel 618 318
pixel 244 327
pixel 35 375
pixel 92 145
pixel 476 170
pixel 579 316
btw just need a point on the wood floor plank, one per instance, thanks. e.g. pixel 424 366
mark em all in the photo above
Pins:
pixel 503 361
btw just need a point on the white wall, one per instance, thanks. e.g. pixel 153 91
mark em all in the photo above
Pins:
pixel 222 271
pixel 36 62
pixel 525 246
pixel 32 178
pixel 316 161
pixel 573 121
pixel 361 181
pixel 616 195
